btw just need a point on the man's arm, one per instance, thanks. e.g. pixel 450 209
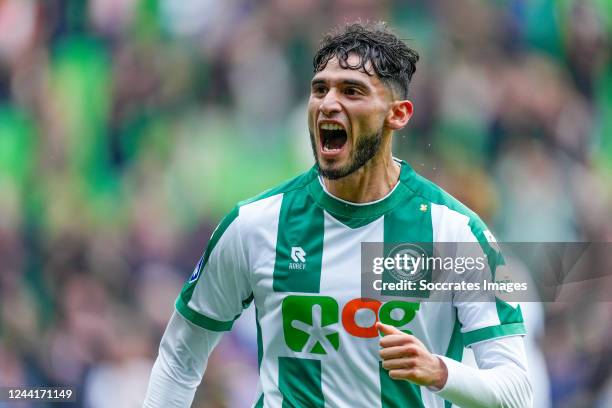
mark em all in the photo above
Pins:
pixel 213 297
pixel 180 365
pixel 500 381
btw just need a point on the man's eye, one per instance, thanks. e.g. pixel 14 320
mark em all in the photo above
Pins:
pixel 351 91
pixel 318 90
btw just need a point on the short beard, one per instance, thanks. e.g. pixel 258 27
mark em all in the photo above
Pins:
pixel 365 149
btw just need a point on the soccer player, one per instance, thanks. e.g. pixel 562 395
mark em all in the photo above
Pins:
pixel 294 251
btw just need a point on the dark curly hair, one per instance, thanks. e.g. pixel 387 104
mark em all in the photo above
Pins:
pixel 392 60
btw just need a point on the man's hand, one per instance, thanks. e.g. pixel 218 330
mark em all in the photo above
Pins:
pixel 406 358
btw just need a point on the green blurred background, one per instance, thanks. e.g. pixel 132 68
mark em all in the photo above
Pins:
pixel 129 127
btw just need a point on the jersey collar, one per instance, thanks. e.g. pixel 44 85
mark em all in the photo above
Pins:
pixel 342 208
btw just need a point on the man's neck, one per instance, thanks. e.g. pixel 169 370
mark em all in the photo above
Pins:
pixel 370 183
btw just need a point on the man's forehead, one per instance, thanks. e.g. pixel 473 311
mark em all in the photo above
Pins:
pixel 334 71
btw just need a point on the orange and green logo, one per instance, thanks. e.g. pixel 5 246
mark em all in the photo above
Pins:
pixel 311 324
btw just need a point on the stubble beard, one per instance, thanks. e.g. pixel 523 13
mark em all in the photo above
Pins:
pixel 364 150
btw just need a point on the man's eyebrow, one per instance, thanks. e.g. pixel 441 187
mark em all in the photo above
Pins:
pixel 354 82
pixel 317 81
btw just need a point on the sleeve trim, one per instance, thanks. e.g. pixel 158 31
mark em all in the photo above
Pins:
pixel 201 320
pixel 492 332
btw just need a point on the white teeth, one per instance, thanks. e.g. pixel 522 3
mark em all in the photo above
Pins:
pixel 326 148
pixel 331 126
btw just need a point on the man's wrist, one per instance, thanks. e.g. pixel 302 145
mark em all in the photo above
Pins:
pixel 442 376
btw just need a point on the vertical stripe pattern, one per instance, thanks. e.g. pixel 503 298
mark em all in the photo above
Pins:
pixel 299 244
pixel 408 224
pixel 300 382
pixel 398 393
pixel 409 228
pixel 297 268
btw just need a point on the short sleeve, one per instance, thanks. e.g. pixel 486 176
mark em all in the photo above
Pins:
pixel 493 318
pixel 219 287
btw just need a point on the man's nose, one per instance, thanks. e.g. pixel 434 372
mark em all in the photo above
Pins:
pixel 330 104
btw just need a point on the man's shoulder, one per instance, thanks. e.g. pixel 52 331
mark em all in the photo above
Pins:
pixel 263 208
pixel 444 202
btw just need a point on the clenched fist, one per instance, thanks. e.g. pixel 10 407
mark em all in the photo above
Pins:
pixel 406 358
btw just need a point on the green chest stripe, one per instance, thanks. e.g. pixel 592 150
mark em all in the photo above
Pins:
pixel 408 224
pixel 299 244
pixel 398 393
pixel 297 268
pixel 300 382
pixel 409 228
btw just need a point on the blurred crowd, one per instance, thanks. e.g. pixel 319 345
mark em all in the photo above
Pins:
pixel 129 127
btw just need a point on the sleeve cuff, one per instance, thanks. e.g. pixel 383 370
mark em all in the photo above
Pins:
pixel 201 320
pixel 454 385
pixel 451 367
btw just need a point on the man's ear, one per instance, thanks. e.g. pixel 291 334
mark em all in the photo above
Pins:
pixel 399 114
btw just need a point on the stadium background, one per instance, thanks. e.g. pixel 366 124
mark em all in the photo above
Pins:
pixel 129 127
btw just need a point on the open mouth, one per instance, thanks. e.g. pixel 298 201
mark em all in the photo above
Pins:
pixel 333 137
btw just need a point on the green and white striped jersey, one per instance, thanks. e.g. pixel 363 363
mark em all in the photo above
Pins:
pixel 295 251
